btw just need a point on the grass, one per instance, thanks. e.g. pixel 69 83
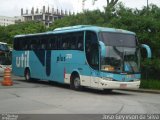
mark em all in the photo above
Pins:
pixel 150 84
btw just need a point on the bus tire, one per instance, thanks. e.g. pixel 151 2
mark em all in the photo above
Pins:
pixel 107 90
pixel 27 75
pixel 75 84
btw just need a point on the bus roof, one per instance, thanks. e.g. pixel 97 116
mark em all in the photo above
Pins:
pixel 23 35
pixel 80 28
pixel 89 27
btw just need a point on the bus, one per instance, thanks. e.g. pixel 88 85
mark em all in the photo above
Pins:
pixel 81 56
pixel 5 57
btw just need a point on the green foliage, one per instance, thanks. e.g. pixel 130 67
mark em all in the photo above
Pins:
pixel 150 84
pixel 150 69
pixel 7 33
pixel 88 17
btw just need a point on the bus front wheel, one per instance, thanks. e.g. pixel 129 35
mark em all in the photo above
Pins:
pixel 75 84
pixel 27 75
pixel 107 90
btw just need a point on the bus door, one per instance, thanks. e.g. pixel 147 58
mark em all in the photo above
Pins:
pixel 92 56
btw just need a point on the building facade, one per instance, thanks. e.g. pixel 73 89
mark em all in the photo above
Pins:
pixel 47 16
pixel 5 21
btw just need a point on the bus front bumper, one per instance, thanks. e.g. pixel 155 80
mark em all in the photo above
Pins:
pixel 104 84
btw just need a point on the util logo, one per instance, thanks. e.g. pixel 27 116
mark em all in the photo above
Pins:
pixel 23 60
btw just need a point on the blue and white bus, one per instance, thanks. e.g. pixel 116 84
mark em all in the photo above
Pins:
pixel 82 56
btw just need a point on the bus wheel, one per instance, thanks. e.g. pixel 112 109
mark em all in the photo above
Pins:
pixel 107 90
pixel 27 75
pixel 76 85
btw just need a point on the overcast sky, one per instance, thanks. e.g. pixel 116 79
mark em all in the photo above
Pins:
pixel 13 7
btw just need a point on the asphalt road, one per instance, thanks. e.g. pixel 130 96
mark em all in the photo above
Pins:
pixel 43 97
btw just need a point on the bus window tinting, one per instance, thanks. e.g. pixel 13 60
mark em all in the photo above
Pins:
pixel 118 39
pixel 65 41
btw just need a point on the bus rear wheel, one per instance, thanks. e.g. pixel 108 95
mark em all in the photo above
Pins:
pixel 27 75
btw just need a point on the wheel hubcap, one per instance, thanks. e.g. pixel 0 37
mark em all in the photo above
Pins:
pixel 27 76
pixel 76 83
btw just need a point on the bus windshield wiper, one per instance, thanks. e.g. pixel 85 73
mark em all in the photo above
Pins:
pixel 121 55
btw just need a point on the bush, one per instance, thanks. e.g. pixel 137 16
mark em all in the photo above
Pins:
pixel 151 69
pixel 150 84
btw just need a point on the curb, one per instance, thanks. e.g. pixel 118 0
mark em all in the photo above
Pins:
pixel 143 90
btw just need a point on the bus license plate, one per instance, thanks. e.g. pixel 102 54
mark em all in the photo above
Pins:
pixel 123 85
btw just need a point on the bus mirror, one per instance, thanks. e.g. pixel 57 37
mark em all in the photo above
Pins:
pixel 102 49
pixel 148 49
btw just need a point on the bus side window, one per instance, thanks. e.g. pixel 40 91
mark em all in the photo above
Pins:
pixel 42 42
pixel 73 43
pixel 32 46
pixel 59 41
pixel 79 46
pixel 22 44
pixel 17 44
pixel 54 43
pixel 43 45
pixel 80 43
pixel 49 42
pixel 26 44
pixel 33 43
pixel 29 44
pixel 65 42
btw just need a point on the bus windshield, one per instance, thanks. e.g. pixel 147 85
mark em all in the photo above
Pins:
pixel 122 53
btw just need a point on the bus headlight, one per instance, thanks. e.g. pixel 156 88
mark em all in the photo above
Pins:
pixel 109 68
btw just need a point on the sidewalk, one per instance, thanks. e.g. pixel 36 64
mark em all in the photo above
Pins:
pixel 143 90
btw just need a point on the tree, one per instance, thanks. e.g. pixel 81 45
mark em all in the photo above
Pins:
pixel 111 3
pixel 7 33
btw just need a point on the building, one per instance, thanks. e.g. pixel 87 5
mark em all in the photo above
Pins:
pixel 18 19
pixel 5 21
pixel 46 16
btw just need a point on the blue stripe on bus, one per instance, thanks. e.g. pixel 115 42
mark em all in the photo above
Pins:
pixel 48 62
pixel 40 55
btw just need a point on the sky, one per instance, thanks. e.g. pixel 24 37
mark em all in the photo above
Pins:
pixel 13 7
